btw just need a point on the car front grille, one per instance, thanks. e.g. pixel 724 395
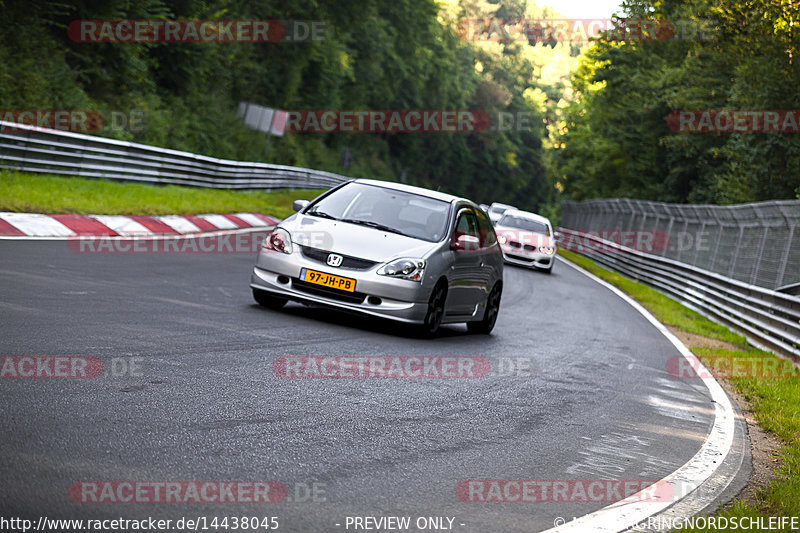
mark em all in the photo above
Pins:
pixel 521 258
pixel 527 247
pixel 326 292
pixel 321 256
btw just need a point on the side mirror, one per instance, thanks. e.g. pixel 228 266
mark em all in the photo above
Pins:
pixel 297 205
pixel 466 243
pixel 557 235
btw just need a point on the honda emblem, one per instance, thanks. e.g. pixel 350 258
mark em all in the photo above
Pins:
pixel 334 260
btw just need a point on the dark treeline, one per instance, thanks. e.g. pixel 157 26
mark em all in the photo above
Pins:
pixel 602 133
pixel 615 140
pixel 379 55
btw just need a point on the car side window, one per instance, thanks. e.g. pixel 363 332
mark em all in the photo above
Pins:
pixel 466 223
pixel 487 235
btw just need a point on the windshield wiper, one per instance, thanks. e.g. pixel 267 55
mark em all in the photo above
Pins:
pixel 321 214
pixel 373 225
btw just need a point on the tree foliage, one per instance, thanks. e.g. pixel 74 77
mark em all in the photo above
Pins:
pixel 377 54
pixel 614 140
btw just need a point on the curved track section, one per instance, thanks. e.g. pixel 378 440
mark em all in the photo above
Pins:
pixel 583 393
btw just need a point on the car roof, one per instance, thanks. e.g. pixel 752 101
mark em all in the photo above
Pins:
pixel 504 206
pixel 414 190
pixel 527 214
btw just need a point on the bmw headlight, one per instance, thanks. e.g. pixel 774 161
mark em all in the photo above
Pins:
pixel 279 241
pixel 411 269
pixel 547 249
pixel 501 239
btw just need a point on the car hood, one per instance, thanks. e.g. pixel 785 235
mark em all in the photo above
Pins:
pixel 353 240
pixel 524 236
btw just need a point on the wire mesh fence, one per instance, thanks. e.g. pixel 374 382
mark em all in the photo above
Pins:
pixel 756 243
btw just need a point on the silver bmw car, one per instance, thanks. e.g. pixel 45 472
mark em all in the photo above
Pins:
pixel 389 250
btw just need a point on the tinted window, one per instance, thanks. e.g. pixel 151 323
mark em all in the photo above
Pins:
pixel 488 238
pixel 466 224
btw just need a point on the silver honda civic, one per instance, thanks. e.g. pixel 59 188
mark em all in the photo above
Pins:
pixel 389 250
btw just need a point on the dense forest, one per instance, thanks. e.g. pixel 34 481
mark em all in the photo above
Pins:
pixel 375 55
pixel 617 138
pixel 595 116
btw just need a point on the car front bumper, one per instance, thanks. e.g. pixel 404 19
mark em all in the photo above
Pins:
pixel 376 295
pixel 516 256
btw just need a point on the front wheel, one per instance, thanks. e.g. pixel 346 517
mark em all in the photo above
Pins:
pixel 265 299
pixel 486 325
pixel 435 314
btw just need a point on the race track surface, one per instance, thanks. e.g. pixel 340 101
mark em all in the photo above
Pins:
pixel 197 398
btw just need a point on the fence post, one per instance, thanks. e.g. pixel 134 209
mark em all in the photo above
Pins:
pixel 765 231
pixel 732 266
pixel 785 258
pixel 697 237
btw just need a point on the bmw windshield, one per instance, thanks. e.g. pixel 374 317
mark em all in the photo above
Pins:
pixel 527 224
pixel 385 209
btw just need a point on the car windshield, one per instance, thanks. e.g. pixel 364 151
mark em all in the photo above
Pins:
pixel 528 224
pixel 385 209
pixel 498 210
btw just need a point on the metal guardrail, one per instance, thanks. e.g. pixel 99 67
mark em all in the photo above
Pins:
pixel 756 243
pixel 768 318
pixel 33 149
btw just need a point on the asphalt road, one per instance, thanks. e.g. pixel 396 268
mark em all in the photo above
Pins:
pixel 203 403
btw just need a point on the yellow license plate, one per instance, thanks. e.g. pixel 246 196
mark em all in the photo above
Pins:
pixel 328 280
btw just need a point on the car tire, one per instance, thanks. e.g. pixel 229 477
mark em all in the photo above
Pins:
pixel 265 299
pixel 549 270
pixel 436 307
pixel 486 324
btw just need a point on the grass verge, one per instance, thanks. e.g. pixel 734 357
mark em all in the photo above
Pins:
pixel 770 384
pixel 43 193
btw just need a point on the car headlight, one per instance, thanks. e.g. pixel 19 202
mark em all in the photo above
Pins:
pixel 411 269
pixel 279 241
pixel 501 239
pixel 547 249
